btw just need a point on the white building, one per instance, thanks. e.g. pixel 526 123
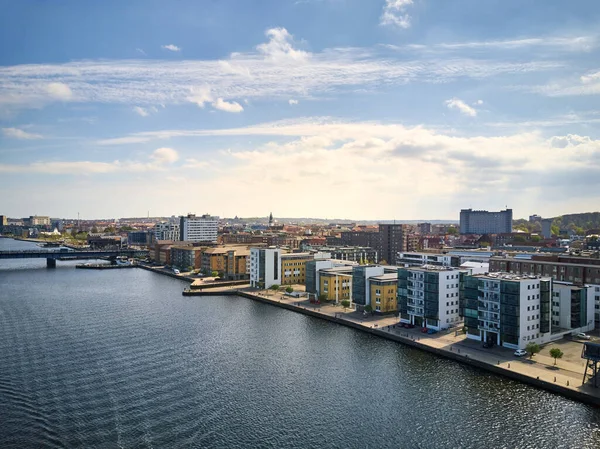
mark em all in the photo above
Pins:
pixel 166 230
pixel 265 267
pixel 414 259
pixel 513 310
pixel 429 296
pixel 198 229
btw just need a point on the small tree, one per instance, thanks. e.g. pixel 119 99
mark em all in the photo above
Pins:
pixel 289 289
pixel 532 348
pixel 368 308
pixel 345 304
pixel 322 297
pixel 275 287
pixel 556 353
pixel 214 273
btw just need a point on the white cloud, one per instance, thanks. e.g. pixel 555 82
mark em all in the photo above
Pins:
pixel 16 133
pixel 227 106
pixel 461 106
pixel 141 111
pixel 159 160
pixel 170 47
pixel 165 155
pixel 200 95
pixel 280 47
pixel 572 140
pixel 478 102
pixel 292 102
pixel 59 91
pixel 140 51
pixel 275 70
pixel 394 13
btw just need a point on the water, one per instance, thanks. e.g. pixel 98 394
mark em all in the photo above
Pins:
pixel 119 358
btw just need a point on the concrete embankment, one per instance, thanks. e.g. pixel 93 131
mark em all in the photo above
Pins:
pixel 572 392
pixel 166 273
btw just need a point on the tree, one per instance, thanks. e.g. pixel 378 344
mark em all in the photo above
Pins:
pixel 214 273
pixel 452 230
pixel 556 353
pixel 532 348
pixel 109 230
pixel 289 290
pixel 322 297
pixel 275 287
pixel 368 308
pixel 345 304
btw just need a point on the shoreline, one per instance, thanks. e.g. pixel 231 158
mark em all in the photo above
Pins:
pixel 572 390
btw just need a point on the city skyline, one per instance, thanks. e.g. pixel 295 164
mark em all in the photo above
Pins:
pixel 369 110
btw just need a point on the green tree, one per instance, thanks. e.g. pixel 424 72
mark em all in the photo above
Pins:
pixel 322 297
pixel 554 229
pixel 109 230
pixel 535 238
pixel 556 353
pixel 368 308
pixel 345 304
pixel 214 273
pixel 289 290
pixel 275 287
pixel 452 230
pixel 532 348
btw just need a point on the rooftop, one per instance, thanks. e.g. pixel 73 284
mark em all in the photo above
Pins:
pixel 510 276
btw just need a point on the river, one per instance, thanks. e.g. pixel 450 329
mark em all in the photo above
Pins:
pixel 119 358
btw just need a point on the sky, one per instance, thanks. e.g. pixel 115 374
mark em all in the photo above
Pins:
pixel 358 109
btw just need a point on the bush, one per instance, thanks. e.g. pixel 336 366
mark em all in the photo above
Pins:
pixel 289 290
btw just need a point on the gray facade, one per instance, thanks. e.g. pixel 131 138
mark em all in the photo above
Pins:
pixel 484 222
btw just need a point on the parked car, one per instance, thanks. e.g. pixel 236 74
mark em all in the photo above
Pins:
pixel 176 271
pixel 582 336
pixel 520 352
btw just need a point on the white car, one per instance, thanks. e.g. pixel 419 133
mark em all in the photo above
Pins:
pixel 520 352
pixel 582 336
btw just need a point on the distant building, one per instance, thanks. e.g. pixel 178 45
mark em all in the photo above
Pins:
pixel 198 229
pixel 428 296
pixel 356 238
pixel 3 220
pixel 418 259
pixel 186 257
pixel 39 220
pixel 265 267
pixel 424 228
pixel 484 222
pixel 166 230
pixel 395 238
pixel 139 238
pixel 547 228
pixel 534 218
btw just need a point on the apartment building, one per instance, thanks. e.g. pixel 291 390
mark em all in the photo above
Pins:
pixel 185 257
pixel 429 296
pixel 198 229
pixel 265 267
pixel 484 222
pixel 166 230
pixel 293 268
pixel 393 239
pixel 314 267
pixel 383 292
pixel 361 292
pixel 336 283
pixel 417 259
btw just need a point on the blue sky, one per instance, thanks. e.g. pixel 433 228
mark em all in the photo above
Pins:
pixel 364 109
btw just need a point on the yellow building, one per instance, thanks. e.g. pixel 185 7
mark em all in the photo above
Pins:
pixel 383 292
pixel 293 268
pixel 236 262
pixel 336 283
pixel 229 261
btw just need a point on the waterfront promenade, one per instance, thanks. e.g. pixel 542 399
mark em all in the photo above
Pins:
pixel 565 378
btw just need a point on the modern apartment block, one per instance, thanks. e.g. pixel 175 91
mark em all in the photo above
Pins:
pixel 393 239
pixel 573 307
pixel 484 222
pixel 336 283
pixel 429 296
pixel 293 268
pixel 507 310
pixel 186 257
pixel 418 259
pixel 198 229
pixel 265 267
pixel 314 268
pixel 361 292
pixel 166 230
pixel 383 292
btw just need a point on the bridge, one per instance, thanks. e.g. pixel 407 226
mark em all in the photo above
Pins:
pixel 52 256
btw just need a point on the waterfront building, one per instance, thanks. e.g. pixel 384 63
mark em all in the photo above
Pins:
pixel 265 267
pixel 139 238
pixel 162 251
pixel 506 309
pixel 361 293
pixel 513 310
pixel 186 257
pixel 383 290
pixel 293 268
pixel 417 259
pixel 429 296
pixel 336 283
pixel 484 222
pixel 38 220
pixel 166 230
pixel 198 229
pixel 314 267
pixel 236 264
